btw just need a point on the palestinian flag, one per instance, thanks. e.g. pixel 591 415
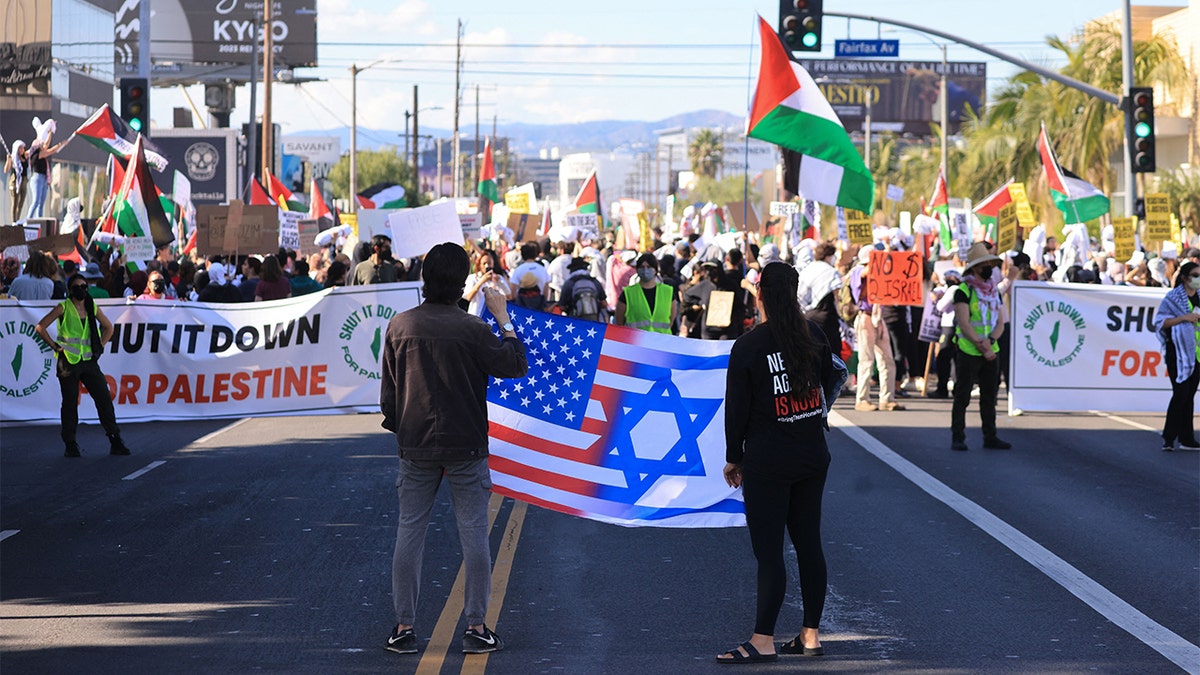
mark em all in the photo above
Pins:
pixel 487 187
pixel 789 110
pixel 259 196
pixel 316 204
pixel 283 196
pixel 988 210
pixel 545 228
pixel 107 131
pixel 139 210
pixel 588 199
pixel 1079 200
pixel 939 207
pixel 382 196
pixel 810 220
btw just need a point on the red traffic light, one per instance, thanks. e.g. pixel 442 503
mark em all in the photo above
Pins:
pixel 136 92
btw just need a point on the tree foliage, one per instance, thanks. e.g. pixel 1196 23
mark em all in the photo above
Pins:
pixel 706 152
pixel 375 166
pixel 720 192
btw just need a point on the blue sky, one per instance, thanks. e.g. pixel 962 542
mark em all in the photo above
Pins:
pixel 541 61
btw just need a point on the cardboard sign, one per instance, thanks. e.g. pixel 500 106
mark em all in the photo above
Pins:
pixel 895 193
pixel 784 208
pixel 415 231
pixel 1024 211
pixel 720 309
pixel 736 211
pixel 1123 238
pixel 12 235
pixel 858 227
pixel 259 232
pixel 233 226
pixel 1158 217
pixel 308 234
pixel 894 278
pixel 289 230
pixel 210 229
pixel 1006 227
pixel 524 226
pixel 139 249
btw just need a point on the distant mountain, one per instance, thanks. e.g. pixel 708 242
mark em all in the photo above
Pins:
pixel 529 139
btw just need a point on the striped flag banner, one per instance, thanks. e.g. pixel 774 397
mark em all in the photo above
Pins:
pixel 614 424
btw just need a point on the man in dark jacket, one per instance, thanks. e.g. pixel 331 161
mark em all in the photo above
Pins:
pixel 433 394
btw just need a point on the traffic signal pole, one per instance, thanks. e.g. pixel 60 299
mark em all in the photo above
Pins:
pixel 1127 77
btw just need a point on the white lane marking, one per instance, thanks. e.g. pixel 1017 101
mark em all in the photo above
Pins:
pixel 1122 420
pixel 5 534
pixel 1158 637
pixel 218 432
pixel 144 470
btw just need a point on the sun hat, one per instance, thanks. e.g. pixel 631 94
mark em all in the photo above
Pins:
pixel 978 254
pixel 92 271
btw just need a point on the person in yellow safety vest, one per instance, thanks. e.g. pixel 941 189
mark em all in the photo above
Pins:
pixel 83 331
pixel 980 317
pixel 647 305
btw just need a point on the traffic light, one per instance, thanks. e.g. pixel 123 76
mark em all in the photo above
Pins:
pixel 1141 129
pixel 800 24
pixel 135 103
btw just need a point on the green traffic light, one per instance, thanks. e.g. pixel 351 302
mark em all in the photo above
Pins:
pixel 1142 130
pixel 135 124
pixel 809 40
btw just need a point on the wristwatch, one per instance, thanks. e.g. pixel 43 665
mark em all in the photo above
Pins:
pixel 508 328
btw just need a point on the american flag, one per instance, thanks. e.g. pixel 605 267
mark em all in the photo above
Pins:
pixel 613 424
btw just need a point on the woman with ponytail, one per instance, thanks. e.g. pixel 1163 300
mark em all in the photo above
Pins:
pixel 782 380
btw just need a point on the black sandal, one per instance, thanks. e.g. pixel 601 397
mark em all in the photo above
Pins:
pixel 796 646
pixel 752 655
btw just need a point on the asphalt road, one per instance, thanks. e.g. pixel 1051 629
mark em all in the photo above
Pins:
pixel 266 547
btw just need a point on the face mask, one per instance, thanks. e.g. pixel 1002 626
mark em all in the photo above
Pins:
pixel 986 273
pixel 1194 283
pixel 158 285
pixel 79 292
pixel 646 274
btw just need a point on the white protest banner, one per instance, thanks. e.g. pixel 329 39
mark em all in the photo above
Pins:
pixel 472 225
pixel 139 248
pixel 931 321
pixel 895 193
pixel 842 228
pixel 1086 347
pixel 181 190
pixel 784 208
pixel 314 354
pixel 289 229
pixel 375 221
pixel 584 223
pixel 415 231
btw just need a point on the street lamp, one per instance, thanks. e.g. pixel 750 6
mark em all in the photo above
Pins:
pixel 354 71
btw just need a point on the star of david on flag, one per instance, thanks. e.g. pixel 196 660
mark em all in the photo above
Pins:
pixel 613 424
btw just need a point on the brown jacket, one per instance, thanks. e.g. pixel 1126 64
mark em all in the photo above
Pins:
pixel 436 364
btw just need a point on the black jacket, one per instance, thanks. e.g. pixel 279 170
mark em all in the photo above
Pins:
pixel 433 392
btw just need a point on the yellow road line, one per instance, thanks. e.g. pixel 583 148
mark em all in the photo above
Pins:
pixel 474 664
pixel 434 656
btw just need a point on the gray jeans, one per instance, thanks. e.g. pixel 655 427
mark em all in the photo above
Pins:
pixel 470 490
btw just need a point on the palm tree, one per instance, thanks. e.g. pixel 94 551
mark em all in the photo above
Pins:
pixel 706 152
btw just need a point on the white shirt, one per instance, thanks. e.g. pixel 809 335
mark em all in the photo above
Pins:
pixel 558 272
pixel 538 269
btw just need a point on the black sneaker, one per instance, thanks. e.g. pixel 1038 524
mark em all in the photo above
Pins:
pixel 117 446
pixel 72 450
pixel 1189 445
pixel 1168 446
pixel 474 642
pixel 997 444
pixel 961 446
pixel 402 641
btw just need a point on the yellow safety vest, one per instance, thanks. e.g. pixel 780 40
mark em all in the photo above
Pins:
pixel 978 322
pixel 637 310
pixel 73 335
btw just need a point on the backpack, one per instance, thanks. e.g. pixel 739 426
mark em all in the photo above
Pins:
pixel 585 303
pixel 847 306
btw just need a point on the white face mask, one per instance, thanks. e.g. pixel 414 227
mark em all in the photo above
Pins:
pixel 1194 283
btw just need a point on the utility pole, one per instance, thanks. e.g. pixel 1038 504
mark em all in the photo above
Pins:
pixel 354 70
pixel 457 100
pixel 439 168
pixel 268 76
pixel 416 140
pixel 475 161
pixel 1127 81
pixel 252 137
pixel 867 132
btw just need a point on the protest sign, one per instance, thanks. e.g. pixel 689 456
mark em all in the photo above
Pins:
pixel 374 221
pixel 1123 238
pixel 289 229
pixel 585 222
pixel 210 228
pixel 895 193
pixel 472 225
pixel 842 229
pixel 308 235
pixel 139 249
pixel 1024 211
pixel 720 309
pixel 1006 228
pixel 259 231
pixel 181 190
pixel 784 208
pixel 415 231
pixel 524 226
pixel 521 199
pixel 743 217
pixel 1158 217
pixel 894 278
pixel 858 227
pixel 931 321
pixel 233 226
pixel 13 235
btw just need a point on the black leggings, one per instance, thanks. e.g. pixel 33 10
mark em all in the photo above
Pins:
pixel 88 373
pixel 772 504
pixel 1180 423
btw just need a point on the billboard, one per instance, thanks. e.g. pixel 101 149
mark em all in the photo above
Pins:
pixel 904 95
pixel 25 50
pixel 207 157
pixel 187 33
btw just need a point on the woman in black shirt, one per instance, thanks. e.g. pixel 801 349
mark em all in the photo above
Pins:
pixel 782 379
